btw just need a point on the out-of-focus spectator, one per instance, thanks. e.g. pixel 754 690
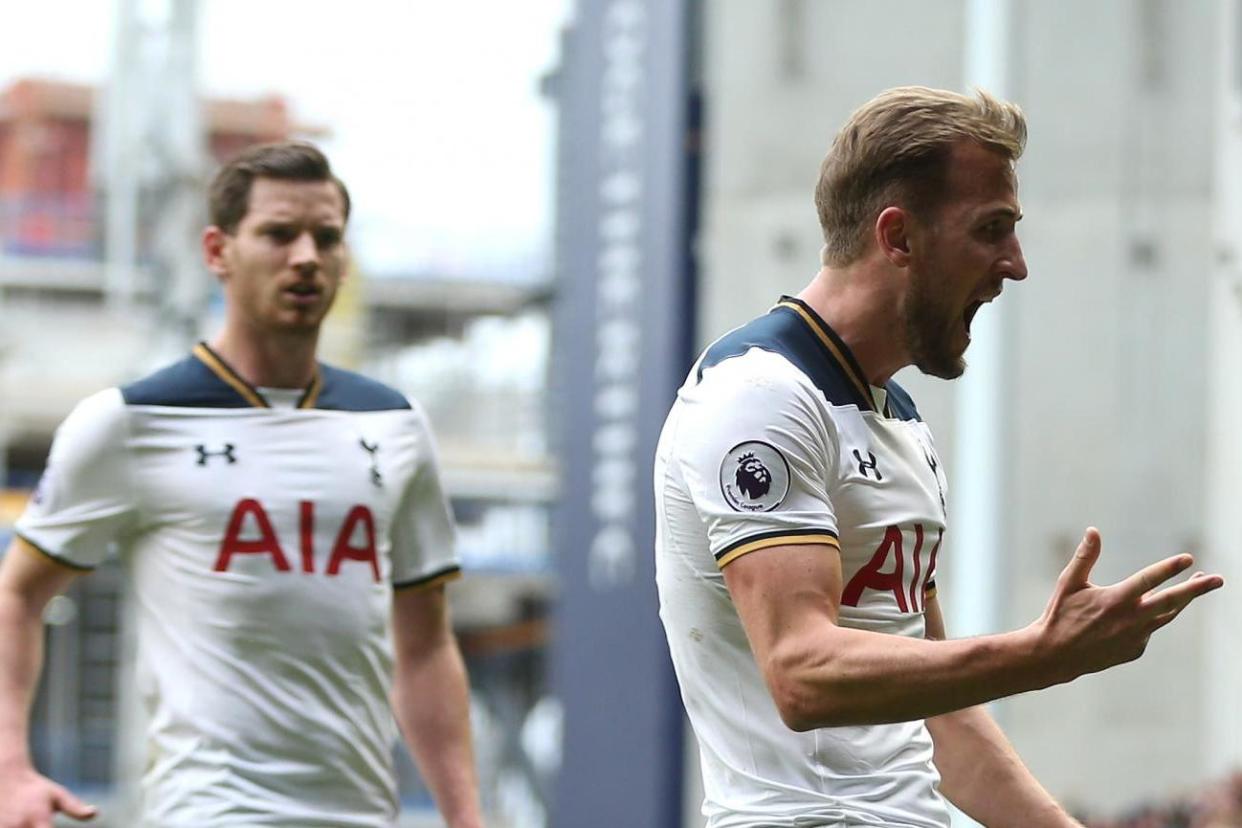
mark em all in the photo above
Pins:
pixel 1217 806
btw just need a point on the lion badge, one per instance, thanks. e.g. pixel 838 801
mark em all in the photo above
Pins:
pixel 754 477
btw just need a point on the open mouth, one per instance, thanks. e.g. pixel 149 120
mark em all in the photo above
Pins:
pixel 303 291
pixel 969 315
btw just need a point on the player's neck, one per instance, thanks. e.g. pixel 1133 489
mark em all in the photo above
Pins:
pixel 269 360
pixel 863 309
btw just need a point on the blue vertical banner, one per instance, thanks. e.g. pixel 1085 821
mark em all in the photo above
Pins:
pixel 625 206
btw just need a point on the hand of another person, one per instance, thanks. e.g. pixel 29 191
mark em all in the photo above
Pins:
pixel 1087 628
pixel 31 801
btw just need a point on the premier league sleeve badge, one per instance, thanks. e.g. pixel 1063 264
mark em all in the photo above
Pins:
pixel 754 477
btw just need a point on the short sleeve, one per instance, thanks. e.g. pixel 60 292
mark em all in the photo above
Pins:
pixel 423 536
pixel 757 451
pixel 84 501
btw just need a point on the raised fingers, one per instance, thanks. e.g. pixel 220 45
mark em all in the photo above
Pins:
pixel 1153 575
pixel 1163 606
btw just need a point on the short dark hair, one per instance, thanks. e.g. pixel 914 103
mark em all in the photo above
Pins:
pixel 228 198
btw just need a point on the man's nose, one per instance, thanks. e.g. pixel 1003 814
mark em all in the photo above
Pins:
pixel 303 253
pixel 1015 263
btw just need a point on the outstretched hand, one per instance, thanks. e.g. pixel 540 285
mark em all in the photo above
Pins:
pixel 1086 628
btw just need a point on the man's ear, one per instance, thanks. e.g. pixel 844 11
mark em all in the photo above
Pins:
pixel 215 241
pixel 892 235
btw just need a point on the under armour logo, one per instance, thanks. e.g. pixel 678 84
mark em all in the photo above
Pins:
pixel 226 453
pixel 868 465
pixel 371 449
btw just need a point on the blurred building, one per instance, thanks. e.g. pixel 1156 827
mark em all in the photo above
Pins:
pixel 48 205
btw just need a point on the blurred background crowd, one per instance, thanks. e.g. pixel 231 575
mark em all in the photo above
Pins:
pixel 1217 806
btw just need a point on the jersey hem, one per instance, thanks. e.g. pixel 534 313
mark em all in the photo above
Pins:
pixel 53 557
pixel 754 543
pixel 443 576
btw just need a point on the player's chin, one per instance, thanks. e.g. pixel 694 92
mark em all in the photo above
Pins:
pixel 299 320
pixel 946 362
pixel 948 370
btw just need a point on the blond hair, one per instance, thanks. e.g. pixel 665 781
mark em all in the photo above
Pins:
pixel 895 150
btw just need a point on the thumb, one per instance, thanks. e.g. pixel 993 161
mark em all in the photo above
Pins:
pixel 1077 572
pixel 67 803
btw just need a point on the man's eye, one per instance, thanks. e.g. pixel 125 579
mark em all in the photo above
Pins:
pixel 329 238
pixel 281 235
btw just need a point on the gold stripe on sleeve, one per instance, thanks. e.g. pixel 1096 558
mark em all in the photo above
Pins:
pixel 782 540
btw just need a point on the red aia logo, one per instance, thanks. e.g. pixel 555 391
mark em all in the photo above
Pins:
pixel 268 544
pixel 873 576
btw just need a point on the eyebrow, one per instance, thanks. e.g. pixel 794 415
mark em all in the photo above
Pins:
pixel 274 222
pixel 1006 212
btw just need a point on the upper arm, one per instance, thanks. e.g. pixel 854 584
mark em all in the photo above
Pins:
pixel 32 577
pixel 420 621
pixel 757 455
pixel 788 599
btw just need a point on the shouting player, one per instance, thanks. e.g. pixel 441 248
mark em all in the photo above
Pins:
pixel 288 541
pixel 800 510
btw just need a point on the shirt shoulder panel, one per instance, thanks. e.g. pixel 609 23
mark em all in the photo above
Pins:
pixel 96 425
pixel 188 383
pixel 783 332
pixel 348 391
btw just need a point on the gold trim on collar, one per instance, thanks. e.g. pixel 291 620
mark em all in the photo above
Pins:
pixel 860 384
pixel 311 396
pixel 222 370
pixel 248 392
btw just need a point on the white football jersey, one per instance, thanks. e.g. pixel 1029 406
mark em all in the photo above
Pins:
pixel 263 545
pixel 776 438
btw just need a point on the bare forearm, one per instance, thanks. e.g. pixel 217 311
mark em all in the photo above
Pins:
pixel 21 659
pixel 822 675
pixel 431 701
pixel 873 678
pixel 982 775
